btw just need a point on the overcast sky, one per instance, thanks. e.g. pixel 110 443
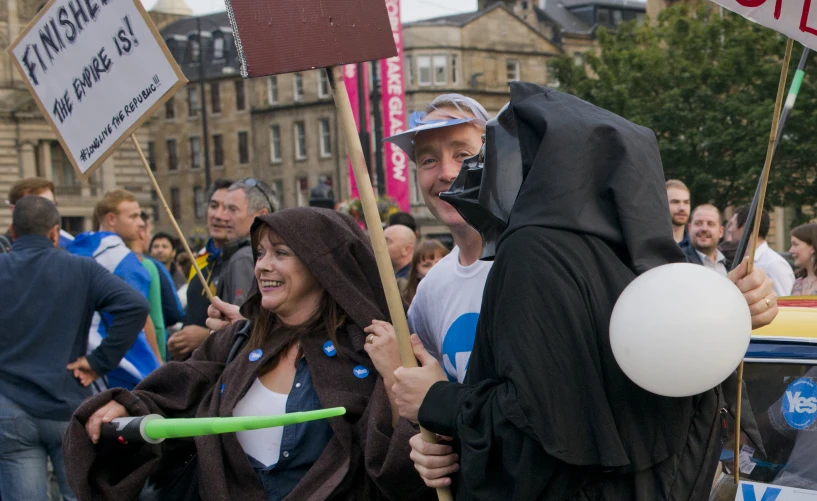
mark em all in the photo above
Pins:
pixel 412 9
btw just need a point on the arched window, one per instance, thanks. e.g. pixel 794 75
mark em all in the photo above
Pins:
pixel 173 47
pixel 218 45
pixel 193 50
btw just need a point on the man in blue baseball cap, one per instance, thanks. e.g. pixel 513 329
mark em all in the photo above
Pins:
pixel 444 311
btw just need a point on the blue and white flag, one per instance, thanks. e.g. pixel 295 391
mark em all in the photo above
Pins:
pixel 109 250
pixel 65 239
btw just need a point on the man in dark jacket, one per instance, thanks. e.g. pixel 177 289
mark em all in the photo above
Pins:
pixel 49 298
pixel 706 230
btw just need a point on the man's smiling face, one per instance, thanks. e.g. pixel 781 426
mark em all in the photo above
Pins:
pixel 439 154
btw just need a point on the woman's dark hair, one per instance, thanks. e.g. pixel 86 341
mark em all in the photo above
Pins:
pixel 328 317
pixel 426 249
pixel 807 233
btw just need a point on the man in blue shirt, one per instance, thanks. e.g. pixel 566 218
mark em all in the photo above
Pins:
pixel 119 220
pixel 49 298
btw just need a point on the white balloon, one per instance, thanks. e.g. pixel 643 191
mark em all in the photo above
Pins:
pixel 680 329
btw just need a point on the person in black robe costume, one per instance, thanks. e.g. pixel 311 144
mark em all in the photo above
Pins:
pixel 545 412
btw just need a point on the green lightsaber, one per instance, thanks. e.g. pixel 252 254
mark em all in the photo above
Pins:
pixel 154 429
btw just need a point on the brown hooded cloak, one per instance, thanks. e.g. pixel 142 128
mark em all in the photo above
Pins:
pixel 365 458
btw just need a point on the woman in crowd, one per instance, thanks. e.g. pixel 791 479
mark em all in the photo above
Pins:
pixel 803 243
pixel 426 255
pixel 318 289
pixel 163 249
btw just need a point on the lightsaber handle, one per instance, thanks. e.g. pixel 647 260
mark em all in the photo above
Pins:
pixel 129 430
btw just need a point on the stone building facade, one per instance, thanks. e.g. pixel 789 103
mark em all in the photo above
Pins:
pixel 28 147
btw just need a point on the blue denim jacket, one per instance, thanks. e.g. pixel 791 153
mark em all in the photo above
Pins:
pixel 301 444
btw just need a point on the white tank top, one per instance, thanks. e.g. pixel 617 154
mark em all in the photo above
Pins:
pixel 263 445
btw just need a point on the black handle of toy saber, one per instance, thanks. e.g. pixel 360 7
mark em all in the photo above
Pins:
pixel 128 430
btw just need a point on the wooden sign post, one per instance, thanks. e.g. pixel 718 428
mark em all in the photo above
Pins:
pixel 98 69
pixel 796 21
pixel 298 35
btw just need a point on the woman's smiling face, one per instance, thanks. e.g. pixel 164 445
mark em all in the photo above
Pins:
pixel 287 287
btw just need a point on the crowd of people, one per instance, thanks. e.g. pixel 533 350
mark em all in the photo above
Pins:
pixel 115 322
pixel 708 240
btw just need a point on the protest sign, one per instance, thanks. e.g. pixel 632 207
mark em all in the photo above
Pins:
pixel 753 491
pixel 794 19
pixel 304 34
pixel 98 69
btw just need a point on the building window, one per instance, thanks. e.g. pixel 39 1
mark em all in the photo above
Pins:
pixel 218 45
pixel 440 70
pixel 152 155
pixel 243 148
pixel 455 69
pixel 275 143
pixel 409 62
pixel 512 67
pixel 301 190
pixel 198 202
pixel 300 141
pixel 154 198
pixel 170 111
pixel 218 150
pixel 192 101
pixel 215 97
pixel 552 80
pixel 299 86
pixel 239 95
pixel 323 84
pixel 195 152
pixel 326 138
pixel 603 17
pixel 193 50
pixel 423 70
pixel 176 203
pixel 172 155
pixel 62 172
pixel 272 90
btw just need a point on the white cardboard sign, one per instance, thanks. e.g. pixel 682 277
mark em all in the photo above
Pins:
pixel 793 18
pixel 98 69
pixel 753 491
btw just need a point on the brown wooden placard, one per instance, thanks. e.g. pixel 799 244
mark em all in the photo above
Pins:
pixel 167 91
pixel 284 36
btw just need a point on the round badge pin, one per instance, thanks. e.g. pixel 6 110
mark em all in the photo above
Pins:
pixel 800 404
pixel 360 372
pixel 255 355
pixel 329 349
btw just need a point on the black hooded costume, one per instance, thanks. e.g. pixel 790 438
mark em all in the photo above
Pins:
pixel 366 458
pixel 545 412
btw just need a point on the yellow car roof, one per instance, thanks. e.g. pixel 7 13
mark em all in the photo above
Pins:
pixel 797 320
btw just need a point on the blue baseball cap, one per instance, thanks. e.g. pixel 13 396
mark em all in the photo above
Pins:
pixel 405 140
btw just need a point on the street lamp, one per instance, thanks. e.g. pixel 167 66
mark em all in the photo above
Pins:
pixel 206 142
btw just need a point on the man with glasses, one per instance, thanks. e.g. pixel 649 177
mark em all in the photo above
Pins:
pixel 245 200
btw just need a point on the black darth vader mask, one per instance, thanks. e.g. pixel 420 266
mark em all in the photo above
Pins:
pixel 488 183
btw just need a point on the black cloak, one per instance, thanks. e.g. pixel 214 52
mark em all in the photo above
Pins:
pixel 545 411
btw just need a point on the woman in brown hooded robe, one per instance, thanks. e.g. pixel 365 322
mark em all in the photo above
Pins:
pixel 317 289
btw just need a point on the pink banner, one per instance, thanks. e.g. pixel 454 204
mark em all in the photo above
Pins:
pixel 350 79
pixel 394 113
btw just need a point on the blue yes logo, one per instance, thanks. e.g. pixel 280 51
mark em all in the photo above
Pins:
pixel 457 346
pixel 800 403
pixel 770 494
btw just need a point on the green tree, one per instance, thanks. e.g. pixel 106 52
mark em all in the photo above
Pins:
pixel 706 85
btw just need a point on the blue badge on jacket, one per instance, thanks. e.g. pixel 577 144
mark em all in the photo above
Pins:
pixel 329 349
pixel 255 355
pixel 360 372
